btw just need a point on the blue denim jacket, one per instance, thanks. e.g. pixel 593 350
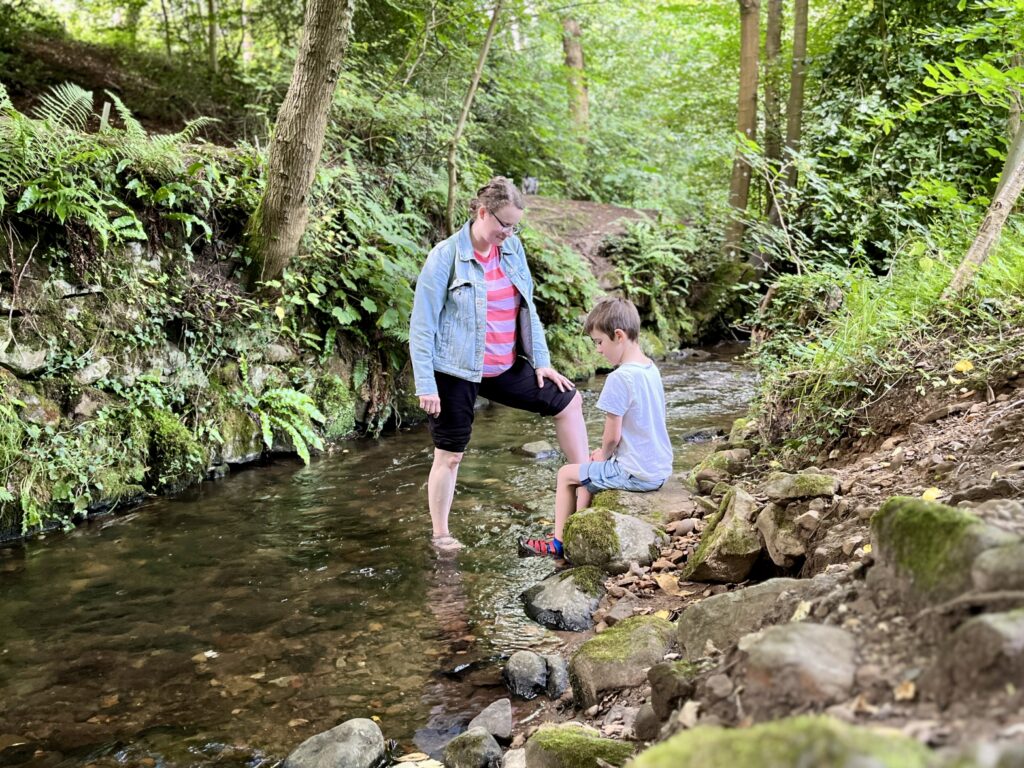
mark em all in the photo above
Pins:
pixel 449 313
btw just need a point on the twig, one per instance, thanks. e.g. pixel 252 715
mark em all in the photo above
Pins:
pixel 972 598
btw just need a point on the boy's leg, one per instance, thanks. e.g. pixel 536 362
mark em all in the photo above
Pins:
pixel 566 496
pixel 571 430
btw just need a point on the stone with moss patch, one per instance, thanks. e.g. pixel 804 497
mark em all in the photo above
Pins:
pixel 821 742
pixel 567 600
pixel 929 547
pixel 176 458
pixel 717 467
pixel 242 439
pixel 572 746
pixel 610 541
pixel 782 486
pixel 729 546
pixel 476 748
pixel 742 432
pixel 619 657
pixel 672 683
pixel 980 657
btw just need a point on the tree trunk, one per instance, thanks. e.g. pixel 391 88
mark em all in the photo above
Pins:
pixel 988 232
pixel 211 33
pixel 167 27
pixel 1015 153
pixel 453 147
pixel 243 21
pixel 797 78
pixel 276 227
pixel 579 101
pixel 746 122
pixel 772 101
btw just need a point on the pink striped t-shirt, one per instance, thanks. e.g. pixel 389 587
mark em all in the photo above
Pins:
pixel 502 306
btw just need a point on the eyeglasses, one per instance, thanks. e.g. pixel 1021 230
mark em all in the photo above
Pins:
pixel 512 229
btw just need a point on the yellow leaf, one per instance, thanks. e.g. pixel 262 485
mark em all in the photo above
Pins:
pixel 905 691
pixel 931 494
pixel 279 311
pixel 375 718
pixel 964 366
pixel 669 583
pixel 867 549
pixel 662 614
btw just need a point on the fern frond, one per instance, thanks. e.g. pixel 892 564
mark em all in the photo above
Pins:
pixel 132 127
pixel 67 104
pixel 5 100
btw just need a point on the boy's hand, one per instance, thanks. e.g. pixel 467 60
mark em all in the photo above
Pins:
pixel 558 379
pixel 431 404
pixel 597 455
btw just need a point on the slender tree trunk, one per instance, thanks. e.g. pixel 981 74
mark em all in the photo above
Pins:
pixel 989 231
pixel 579 100
pixel 797 78
pixel 280 219
pixel 746 122
pixel 211 33
pixel 1015 153
pixel 453 147
pixel 772 100
pixel 243 20
pixel 167 27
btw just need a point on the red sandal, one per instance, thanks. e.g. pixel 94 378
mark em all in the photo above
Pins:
pixel 548 547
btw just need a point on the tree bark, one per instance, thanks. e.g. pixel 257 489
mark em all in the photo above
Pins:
pixel 243 22
pixel 772 100
pixel 797 78
pixel 453 147
pixel 211 33
pixel 276 227
pixel 579 100
pixel 746 122
pixel 167 27
pixel 989 231
pixel 1015 153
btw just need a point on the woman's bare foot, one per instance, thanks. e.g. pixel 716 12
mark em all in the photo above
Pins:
pixel 446 543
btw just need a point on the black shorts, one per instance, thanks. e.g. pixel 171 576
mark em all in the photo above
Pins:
pixel 516 387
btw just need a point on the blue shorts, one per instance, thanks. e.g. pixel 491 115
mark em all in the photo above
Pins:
pixel 609 476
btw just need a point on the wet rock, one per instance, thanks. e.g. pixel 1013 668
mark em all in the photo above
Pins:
pixel 780 536
pixel 672 683
pixel 822 742
pixel 611 541
pixel 981 656
pixel 618 658
pixel 797 664
pixel 93 372
pixel 539 449
pixel 496 719
pixel 566 600
pixel 781 486
pixel 703 435
pixel 514 758
pixel 353 744
pixel 573 746
pixel 730 545
pixel 722 620
pixel 999 568
pixel 558 675
pixel 526 674
pixel 243 441
pixel 475 748
pixel 926 550
pixel 717 467
pixel 15 749
pixel 809 520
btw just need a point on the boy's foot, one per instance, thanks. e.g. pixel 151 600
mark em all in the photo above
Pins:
pixel 539 548
pixel 446 543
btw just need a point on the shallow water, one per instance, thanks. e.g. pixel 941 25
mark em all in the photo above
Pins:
pixel 228 624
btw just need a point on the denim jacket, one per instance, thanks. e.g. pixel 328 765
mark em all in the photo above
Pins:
pixel 449 313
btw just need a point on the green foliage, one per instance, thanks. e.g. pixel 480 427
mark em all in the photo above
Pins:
pixel 281 409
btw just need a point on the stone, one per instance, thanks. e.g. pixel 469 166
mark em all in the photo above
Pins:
pixel 355 743
pixel 927 549
pixel 93 372
pixel 793 665
pixel 242 438
pixel 730 544
pixel 38 409
pixel 611 541
pixel 647 725
pixel 718 686
pixel 999 568
pixel 672 683
pixel 539 449
pixel 558 675
pixel 24 361
pixel 779 531
pixel 981 656
pixel 781 486
pixel 496 719
pixel 572 746
pixel 818 741
pixel 618 658
pixel 622 610
pixel 809 520
pixel 264 377
pixel 742 433
pixel 723 619
pixel 514 758
pixel 279 353
pixel 526 674
pixel 89 403
pixel 476 748
pixel 15 749
pixel 567 600
pixel 717 467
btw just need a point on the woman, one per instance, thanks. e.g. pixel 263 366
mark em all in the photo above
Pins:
pixel 474 331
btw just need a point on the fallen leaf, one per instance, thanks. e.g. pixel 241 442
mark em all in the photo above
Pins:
pixel 688 714
pixel 662 614
pixel 964 366
pixel 862 706
pixel 803 610
pixel 297 722
pixel 375 718
pixel 905 691
pixel 413 757
pixel 867 549
pixel 931 494
pixel 669 583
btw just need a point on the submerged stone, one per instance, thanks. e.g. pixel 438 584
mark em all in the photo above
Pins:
pixel 356 743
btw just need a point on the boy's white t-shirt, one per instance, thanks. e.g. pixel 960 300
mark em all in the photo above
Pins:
pixel 635 392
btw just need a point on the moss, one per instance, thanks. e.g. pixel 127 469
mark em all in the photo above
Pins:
pixel 591 538
pixel 589 579
pixel 573 747
pixel 617 642
pixel 818 741
pixel 922 537
pixel 176 458
pixel 335 399
pixel 610 500
pixel 652 345
pixel 737 434
pixel 706 540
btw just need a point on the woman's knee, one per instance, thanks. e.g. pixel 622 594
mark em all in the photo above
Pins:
pixel 447 459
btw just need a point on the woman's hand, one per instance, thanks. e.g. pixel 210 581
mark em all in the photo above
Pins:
pixel 431 404
pixel 556 378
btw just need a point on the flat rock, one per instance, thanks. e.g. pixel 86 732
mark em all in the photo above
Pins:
pixel 476 748
pixel 539 449
pixel 782 486
pixel 355 743
pixel 566 600
pixel 496 719
pixel 574 746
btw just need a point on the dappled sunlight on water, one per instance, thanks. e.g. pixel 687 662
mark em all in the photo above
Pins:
pixel 226 625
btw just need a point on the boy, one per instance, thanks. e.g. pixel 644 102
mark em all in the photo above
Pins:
pixel 635 452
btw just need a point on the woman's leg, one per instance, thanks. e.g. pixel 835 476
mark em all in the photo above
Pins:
pixel 441 489
pixel 571 430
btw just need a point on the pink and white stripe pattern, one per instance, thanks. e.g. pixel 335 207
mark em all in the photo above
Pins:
pixel 502 306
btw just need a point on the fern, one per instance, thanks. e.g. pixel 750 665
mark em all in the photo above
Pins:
pixel 67 105
pixel 293 413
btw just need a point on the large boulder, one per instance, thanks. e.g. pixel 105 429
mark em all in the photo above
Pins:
pixel 566 600
pixel 618 658
pixel 780 532
pixel 800 741
pixel 475 748
pixel 928 548
pixel 793 665
pixel 980 657
pixel 721 620
pixel 353 744
pixel 673 501
pixel 782 486
pixel 611 541
pixel 729 546
pixel 573 746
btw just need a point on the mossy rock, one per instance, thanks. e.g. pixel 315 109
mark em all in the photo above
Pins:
pixel 730 544
pixel 717 467
pixel 782 486
pixel 176 457
pixel 566 600
pixel 242 438
pixel 931 547
pixel 652 345
pixel 821 742
pixel 611 541
pixel 571 746
pixel 742 433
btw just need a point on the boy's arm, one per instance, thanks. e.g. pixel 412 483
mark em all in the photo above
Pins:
pixel 610 438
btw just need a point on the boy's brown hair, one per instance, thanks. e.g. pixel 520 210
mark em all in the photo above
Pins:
pixel 612 313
